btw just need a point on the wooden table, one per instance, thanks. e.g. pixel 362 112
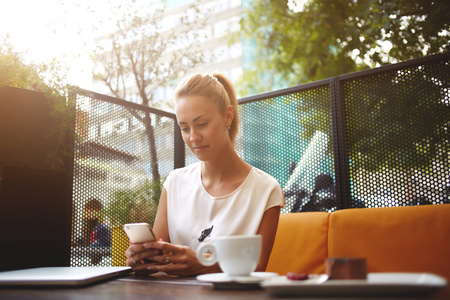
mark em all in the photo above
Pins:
pixel 135 287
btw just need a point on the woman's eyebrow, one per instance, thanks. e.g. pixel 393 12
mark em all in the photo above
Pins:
pixel 194 120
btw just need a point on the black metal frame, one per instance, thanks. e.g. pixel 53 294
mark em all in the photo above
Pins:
pixel 179 159
pixel 335 84
pixel 341 155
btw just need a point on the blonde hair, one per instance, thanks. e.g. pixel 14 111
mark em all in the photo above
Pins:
pixel 215 87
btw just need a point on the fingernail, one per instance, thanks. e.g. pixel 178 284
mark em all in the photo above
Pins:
pixel 160 240
pixel 149 268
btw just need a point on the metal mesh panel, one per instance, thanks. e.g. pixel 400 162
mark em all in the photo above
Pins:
pixel 371 139
pixel 114 176
pixel 397 126
pixel 290 137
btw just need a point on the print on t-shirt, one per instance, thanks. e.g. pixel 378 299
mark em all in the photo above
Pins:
pixel 205 233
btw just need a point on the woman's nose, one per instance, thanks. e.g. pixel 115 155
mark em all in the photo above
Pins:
pixel 194 136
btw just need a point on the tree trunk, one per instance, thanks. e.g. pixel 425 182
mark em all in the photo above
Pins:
pixel 150 132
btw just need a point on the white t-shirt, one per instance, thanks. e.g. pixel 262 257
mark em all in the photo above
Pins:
pixel 194 215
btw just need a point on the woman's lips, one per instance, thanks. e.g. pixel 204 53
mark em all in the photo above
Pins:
pixel 200 148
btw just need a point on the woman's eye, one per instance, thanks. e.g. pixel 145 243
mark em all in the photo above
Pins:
pixel 202 124
pixel 183 129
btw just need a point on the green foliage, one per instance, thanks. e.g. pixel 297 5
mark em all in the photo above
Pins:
pixel 408 111
pixel 329 38
pixel 315 113
pixel 134 205
pixel 395 120
pixel 46 78
pixel 14 72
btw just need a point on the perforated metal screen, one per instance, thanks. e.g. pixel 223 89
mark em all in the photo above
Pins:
pixel 397 125
pixel 290 137
pixel 114 175
pixel 368 139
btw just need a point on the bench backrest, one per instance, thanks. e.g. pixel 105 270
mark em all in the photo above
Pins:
pixel 392 239
pixel 300 244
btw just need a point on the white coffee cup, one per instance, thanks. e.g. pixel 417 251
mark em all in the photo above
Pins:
pixel 238 255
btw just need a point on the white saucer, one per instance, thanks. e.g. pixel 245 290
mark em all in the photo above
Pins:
pixel 223 281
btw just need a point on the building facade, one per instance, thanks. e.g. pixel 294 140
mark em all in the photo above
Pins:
pixel 221 55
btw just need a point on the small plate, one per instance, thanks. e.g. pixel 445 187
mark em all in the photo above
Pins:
pixel 223 281
pixel 377 284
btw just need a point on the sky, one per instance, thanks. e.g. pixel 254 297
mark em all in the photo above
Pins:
pixel 50 29
pixel 43 30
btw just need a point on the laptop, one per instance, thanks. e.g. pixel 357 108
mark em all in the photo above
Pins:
pixel 60 276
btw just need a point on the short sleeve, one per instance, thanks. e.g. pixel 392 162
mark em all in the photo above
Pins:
pixel 276 197
pixel 169 181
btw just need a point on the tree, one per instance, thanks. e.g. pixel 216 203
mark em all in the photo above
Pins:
pixel 142 55
pixel 327 38
pixel 135 204
pixel 399 122
pixel 15 72
pixel 49 79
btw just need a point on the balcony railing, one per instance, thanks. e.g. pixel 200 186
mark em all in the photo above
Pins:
pixel 367 139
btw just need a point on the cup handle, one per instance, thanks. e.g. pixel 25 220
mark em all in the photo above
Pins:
pixel 210 260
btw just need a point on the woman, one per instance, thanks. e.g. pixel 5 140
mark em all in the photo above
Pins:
pixel 220 195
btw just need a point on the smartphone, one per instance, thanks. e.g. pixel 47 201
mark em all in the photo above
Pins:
pixel 139 233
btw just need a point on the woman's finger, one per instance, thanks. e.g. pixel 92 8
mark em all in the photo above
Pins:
pixel 144 256
pixel 133 249
pixel 164 247
pixel 166 259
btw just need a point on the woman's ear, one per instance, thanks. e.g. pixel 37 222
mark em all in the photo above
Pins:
pixel 229 113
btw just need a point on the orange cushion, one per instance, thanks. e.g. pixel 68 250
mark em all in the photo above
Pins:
pixel 300 244
pixel 394 239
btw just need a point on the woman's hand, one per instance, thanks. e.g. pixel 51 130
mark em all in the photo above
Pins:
pixel 139 258
pixel 159 256
pixel 152 257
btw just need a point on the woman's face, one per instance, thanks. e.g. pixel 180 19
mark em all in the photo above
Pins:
pixel 203 127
